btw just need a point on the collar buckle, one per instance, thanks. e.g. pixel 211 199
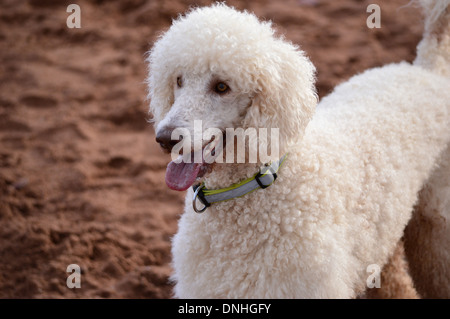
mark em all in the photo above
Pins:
pixel 258 180
pixel 198 193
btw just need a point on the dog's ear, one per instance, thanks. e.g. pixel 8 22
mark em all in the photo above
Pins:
pixel 160 92
pixel 160 78
pixel 285 95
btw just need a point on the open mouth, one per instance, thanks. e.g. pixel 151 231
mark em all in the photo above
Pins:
pixel 182 174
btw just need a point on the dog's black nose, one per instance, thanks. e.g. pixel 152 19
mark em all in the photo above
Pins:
pixel 164 138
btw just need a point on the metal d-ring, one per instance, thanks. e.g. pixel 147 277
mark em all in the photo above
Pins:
pixel 199 211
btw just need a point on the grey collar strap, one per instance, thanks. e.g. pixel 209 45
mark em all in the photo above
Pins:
pixel 263 179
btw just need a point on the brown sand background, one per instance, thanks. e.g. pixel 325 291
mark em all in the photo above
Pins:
pixel 81 177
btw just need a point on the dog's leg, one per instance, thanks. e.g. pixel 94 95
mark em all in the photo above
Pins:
pixel 396 282
pixel 427 236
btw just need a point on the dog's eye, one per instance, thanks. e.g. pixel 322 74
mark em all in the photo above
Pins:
pixel 179 81
pixel 221 88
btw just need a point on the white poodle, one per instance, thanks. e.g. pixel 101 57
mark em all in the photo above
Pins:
pixel 354 166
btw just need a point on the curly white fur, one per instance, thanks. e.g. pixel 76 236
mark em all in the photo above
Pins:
pixel 348 186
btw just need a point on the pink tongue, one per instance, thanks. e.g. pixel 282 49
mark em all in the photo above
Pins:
pixel 181 176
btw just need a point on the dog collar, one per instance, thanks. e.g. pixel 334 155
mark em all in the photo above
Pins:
pixel 263 179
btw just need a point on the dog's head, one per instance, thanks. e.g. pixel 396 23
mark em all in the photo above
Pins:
pixel 228 70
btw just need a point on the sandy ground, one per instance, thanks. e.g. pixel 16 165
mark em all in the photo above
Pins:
pixel 81 177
